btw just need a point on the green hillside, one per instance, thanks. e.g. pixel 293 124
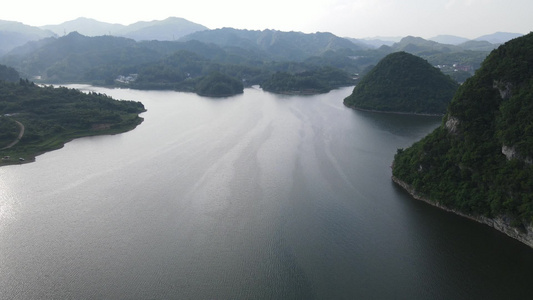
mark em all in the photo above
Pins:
pixel 37 119
pixel 405 83
pixel 479 162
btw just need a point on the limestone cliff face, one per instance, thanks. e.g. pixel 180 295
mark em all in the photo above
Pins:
pixel 511 153
pixel 451 124
pixel 500 223
pixel 504 88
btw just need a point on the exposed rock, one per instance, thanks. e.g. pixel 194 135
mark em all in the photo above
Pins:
pixel 511 153
pixel 451 125
pixel 500 223
pixel 504 88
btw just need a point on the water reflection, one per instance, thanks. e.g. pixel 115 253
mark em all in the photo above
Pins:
pixel 397 124
pixel 7 201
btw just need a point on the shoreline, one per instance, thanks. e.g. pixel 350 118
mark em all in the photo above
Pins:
pixel 31 156
pixel 393 112
pixel 499 223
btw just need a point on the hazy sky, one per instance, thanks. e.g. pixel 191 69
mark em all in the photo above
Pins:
pixel 346 18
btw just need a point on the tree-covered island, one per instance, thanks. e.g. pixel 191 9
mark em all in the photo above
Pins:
pixel 403 83
pixel 36 119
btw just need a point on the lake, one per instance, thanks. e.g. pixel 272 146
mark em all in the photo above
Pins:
pixel 256 196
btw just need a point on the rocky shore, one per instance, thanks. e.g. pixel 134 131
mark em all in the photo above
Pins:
pixel 500 223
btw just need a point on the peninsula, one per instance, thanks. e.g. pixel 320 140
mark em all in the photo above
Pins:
pixel 34 119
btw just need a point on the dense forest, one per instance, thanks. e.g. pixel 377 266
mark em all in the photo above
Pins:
pixel 52 116
pixel 402 82
pixel 8 74
pixel 480 160
pixel 217 84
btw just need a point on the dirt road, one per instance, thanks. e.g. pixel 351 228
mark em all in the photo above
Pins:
pixel 21 133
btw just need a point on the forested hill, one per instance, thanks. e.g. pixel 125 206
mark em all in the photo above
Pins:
pixel 402 82
pixel 479 162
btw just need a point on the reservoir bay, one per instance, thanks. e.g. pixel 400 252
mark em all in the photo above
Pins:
pixel 256 196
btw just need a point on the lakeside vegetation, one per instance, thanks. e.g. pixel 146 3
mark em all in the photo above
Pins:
pixel 217 84
pixel 480 160
pixel 53 116
pixel 320 80
pixel 402 82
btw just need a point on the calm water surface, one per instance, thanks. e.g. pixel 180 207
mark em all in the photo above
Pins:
pixel 257 196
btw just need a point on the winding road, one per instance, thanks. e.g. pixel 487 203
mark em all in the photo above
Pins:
pixel 21 133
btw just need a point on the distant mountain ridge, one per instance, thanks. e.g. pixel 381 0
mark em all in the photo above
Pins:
pixel 289 45
pixel 84 26
pixel 494 38
pixel 415 45
pixel 499 37
pixel 449 39
pixel 169 29
pixel 14 34
pixel 40 55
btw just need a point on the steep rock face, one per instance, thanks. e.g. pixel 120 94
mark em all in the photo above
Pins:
pixel 451 124
pixel 504 88
pixel 500 223
pixel 404 83
pixel 478 162
pixel 511 153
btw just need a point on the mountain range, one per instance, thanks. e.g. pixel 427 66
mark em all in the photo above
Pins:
pixel 175 50
pixel 165 30
pixel 280 45
pixel 494 38
pixel 14 34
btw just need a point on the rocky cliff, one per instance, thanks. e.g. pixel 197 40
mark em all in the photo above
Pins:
pixel 500 223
